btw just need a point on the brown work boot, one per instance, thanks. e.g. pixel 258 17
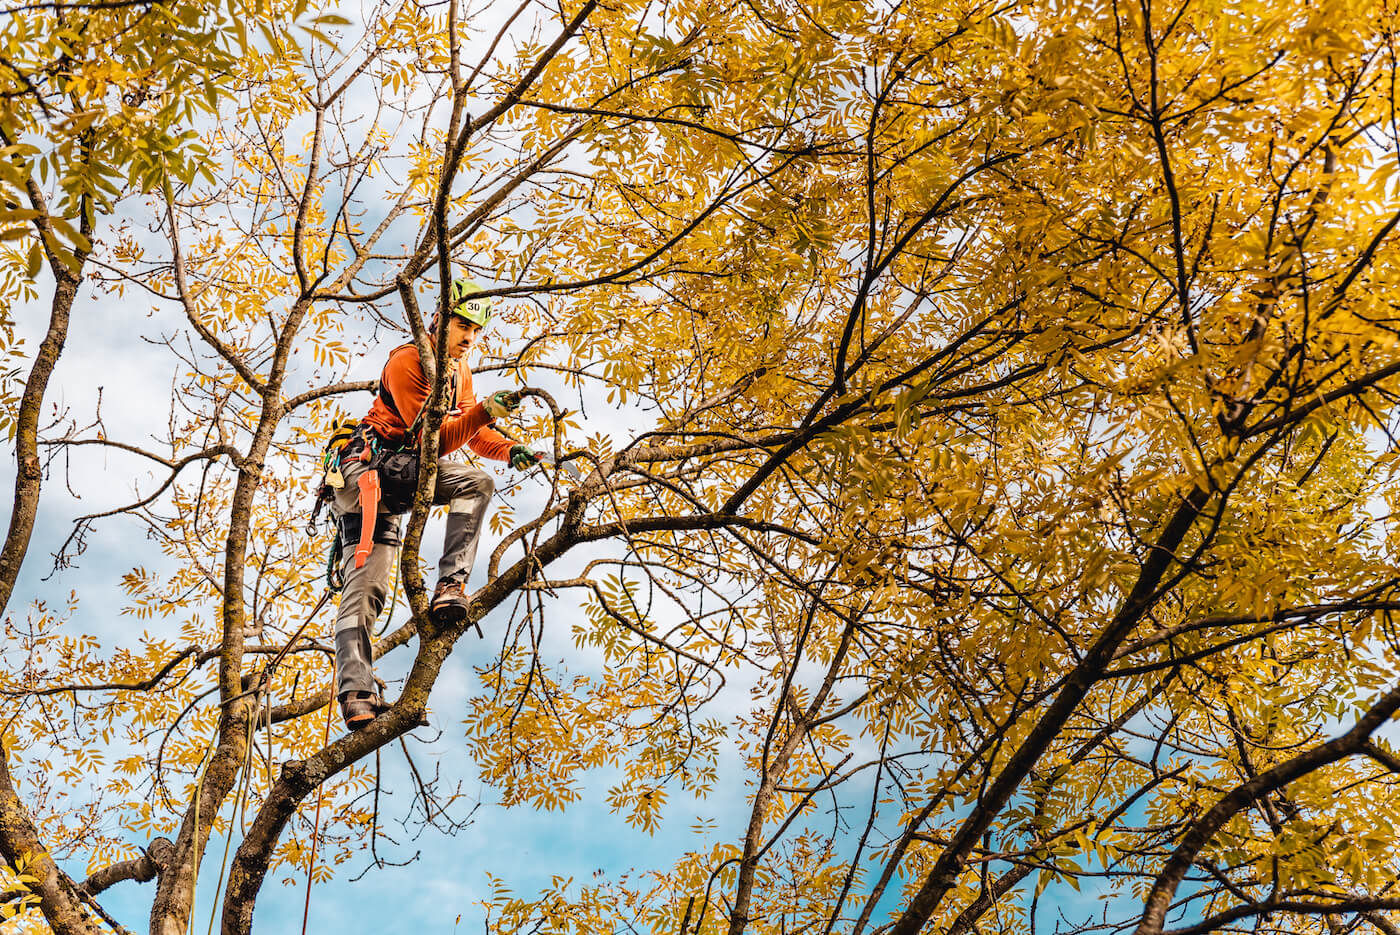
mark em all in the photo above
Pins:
pixel 450 603
pixel 357 709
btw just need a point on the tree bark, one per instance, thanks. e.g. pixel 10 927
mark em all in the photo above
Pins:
pixel 174 900
pixel 28 472
pixel 170 911
pixel 19 838
pixel 19 841
pixel 142 869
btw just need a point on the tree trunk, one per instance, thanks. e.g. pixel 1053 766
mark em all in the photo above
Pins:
pixel 19 838
pixel 28 473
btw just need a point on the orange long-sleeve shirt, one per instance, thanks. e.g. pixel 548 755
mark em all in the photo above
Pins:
pixel 407 386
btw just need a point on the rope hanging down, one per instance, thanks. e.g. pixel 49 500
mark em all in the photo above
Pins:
pixel 316 825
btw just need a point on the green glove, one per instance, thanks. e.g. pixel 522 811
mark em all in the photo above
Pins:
pixel 501 403
pixel 522 457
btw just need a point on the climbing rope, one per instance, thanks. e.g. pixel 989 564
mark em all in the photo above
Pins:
pixel 394 599
pixel 194 838
pixel 241 799
pixel 316 823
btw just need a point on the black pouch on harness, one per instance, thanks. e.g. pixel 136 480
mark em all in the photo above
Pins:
pixel 398 479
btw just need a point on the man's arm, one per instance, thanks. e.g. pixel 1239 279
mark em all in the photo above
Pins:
pixel 486 440
pixel 490 443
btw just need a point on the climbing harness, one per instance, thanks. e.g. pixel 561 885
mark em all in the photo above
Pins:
pixel 390 476
pixel 390 480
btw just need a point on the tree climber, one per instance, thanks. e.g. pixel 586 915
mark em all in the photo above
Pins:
pixel 392 427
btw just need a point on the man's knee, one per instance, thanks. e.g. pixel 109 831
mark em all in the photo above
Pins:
pixel 486 484
pixel 464 485
pixel 366 587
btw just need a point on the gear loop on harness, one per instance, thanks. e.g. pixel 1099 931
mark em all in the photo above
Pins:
pixel 386 529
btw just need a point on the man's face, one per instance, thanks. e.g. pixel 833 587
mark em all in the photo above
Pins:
pixel 461 336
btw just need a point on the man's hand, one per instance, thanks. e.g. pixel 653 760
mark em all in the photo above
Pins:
pixel 523 457
pixel 501 403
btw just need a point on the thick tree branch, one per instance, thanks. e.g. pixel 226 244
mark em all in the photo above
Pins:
pixel 1139 600
pixel 1203 829
pixel 20 844
pixel 142 869
pixel 1348 906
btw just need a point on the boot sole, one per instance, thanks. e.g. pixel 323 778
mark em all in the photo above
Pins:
pixel 359 720
pixel 448 613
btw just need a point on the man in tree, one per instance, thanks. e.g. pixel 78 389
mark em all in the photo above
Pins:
pixel 393 423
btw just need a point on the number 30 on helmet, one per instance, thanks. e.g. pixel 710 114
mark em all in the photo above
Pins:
pixel 475 310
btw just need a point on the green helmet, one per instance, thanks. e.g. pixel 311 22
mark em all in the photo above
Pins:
pixel 476 311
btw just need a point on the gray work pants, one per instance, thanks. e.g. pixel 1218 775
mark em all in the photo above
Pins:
pixel 466 490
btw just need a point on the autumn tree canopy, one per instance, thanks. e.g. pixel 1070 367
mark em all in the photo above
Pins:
pixel 991 402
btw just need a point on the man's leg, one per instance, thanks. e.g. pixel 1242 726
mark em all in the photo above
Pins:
pixel 360 604
pixel 467 492
pixel 361 601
